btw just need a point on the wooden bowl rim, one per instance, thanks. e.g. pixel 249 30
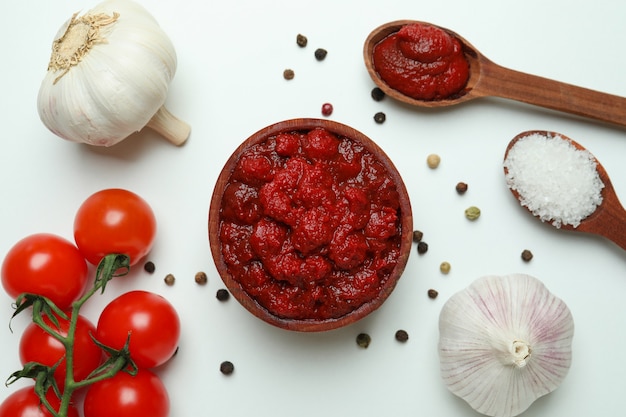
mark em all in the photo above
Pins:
pixel 214 214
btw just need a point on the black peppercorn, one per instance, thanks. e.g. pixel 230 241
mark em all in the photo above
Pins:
pixel 378 94
pixel 461 188
pixel 169 279
pixel 432 294
pixel 527 255
pixel 222 294
pixel 301 40
pixel 201 278
pixel 149 267
pixel 402 336
pixel 227 367
pixel 417 236
pixel 288 74
pixel 422 247
pixel 320 54
pixel 380 117
pixel 363 340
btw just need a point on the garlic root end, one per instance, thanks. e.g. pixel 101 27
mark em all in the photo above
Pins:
pixel 169 126
pixel 520 353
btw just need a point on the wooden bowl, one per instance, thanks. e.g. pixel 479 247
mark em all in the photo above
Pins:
pixel 403 238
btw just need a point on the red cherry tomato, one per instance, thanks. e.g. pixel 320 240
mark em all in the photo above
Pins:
pixel 123 395
pixel 152 321
pixel 47 265
pixel 38 346
pixel 25 403
pixel 114 221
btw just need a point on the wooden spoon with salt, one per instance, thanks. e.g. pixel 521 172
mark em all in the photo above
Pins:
pixel 489 79
pixel 609 218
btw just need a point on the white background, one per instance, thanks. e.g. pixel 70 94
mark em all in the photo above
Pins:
pixel 229 84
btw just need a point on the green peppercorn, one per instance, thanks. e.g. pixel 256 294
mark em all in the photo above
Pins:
pixel 472 213
pixel 445 267
pixel 402 336
pixel 363 340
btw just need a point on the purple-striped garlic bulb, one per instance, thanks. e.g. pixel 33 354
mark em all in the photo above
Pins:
pixel 504 341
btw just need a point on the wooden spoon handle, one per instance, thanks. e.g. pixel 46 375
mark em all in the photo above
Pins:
pixel 614 225
pixel 609 219
pixel 502 82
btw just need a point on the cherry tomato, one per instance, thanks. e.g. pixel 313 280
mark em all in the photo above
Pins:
pixel 152 321
pixel 47 265
pixel 114 221
pixel 25 403
pixel 38 346
pixel 123 395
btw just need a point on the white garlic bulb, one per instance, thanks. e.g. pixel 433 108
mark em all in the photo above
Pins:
pixel 108 77
pixel 504 341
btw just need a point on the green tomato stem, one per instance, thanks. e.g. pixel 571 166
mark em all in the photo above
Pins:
pixel 111 266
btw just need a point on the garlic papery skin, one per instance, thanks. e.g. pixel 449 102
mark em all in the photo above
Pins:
pixel 108 77
pixel 504 341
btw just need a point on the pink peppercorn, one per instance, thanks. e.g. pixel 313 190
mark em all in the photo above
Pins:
pixel 327 109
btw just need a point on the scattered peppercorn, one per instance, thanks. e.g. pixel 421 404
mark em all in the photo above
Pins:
pixel 527 255
pixel 378 94
pixel 445 267
pixel 301 40
pixel 461 188
pixel 402 336
pixel 472 213
pixel 149 267
pixel 433 160
pixel 227 367
pixel 363 340
pixel 201 278
pixel 288 74
pixel 222 294
pixel 320 54
pixel 169 279
pixel 380 117
pixel 417 236
pixel 432 294
pixel 327 109
pixel 422 247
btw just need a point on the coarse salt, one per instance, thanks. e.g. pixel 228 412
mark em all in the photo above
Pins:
pixel 555 180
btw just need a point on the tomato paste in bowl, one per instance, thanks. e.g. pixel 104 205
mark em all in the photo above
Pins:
pixel 310 225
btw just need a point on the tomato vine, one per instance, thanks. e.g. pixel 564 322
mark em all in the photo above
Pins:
pixel 118 360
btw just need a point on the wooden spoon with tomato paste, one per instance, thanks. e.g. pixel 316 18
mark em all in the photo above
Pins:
pixel 490 79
